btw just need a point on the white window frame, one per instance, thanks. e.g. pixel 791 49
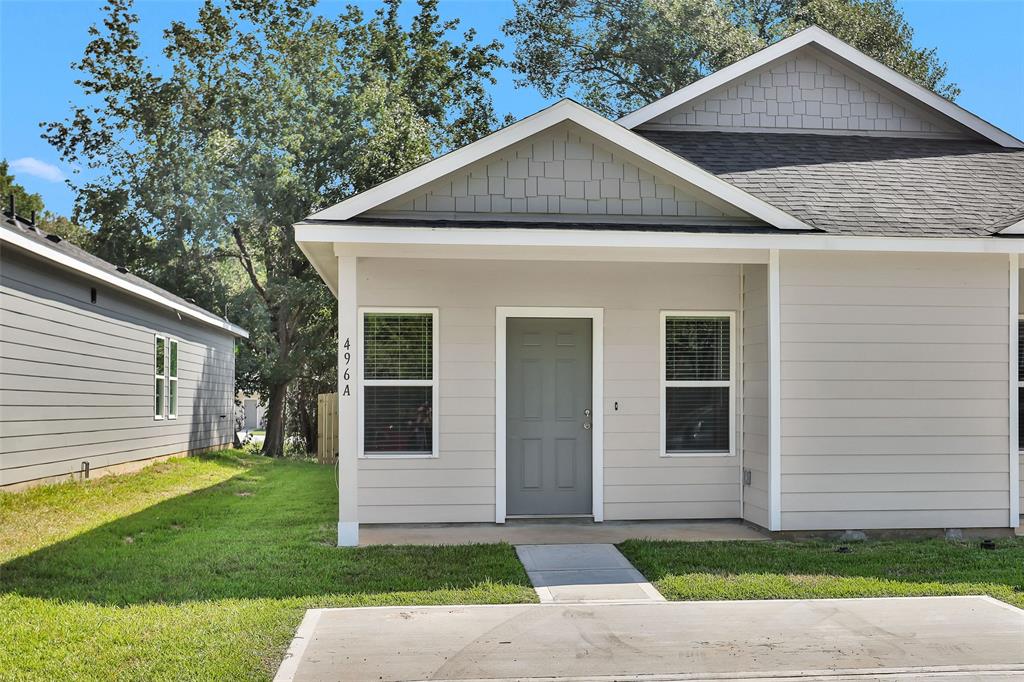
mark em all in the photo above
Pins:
pixel 1016 368
pixel 434 382
pixel 664 384
pixel 171 379
pixel 158 414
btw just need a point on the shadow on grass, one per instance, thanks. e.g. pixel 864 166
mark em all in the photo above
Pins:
pixel 267 532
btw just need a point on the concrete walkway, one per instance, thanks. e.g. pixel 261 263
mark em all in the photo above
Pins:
pixel 553 532
pixel 932 638
pixel 584 574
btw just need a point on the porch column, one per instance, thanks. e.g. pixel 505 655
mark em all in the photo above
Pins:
pixel 348 411
pixel 774 393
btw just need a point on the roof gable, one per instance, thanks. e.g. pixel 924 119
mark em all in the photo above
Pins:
pixel 800 87
pixel 563 171
pixel 696 184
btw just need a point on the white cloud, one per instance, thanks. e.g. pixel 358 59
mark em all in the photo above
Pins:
pixel 37 169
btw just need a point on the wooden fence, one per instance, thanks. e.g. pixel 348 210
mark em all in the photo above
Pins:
pixel 327 428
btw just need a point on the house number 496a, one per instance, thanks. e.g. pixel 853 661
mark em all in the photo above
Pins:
pixel 347 374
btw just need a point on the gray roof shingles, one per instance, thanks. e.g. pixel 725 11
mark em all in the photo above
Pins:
pixel 18 226
pixel 859 185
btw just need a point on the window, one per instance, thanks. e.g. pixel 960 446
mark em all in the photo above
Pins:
pixel 1020 383
pixel 172 381
pixel 399 387
pixel 160 347
pixel 697 384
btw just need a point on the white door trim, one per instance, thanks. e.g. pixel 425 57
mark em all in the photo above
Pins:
pixel 596 315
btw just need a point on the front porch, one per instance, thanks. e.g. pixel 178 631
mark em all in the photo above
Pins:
pixel 544 532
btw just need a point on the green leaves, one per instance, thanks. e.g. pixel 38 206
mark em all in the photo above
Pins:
pixel 618 55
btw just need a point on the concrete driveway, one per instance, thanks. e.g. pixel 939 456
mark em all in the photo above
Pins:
pixel 933 638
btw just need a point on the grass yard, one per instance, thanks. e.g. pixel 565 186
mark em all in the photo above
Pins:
pixel 201 568
pixel 811 570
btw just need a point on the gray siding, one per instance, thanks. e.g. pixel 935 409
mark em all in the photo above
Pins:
pixel 561 171
pixel 808 91
pixel 754 373
pixel 894 390
pixel 76 378
pixel 459 484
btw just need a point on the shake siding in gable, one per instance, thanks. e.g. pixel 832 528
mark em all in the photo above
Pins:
pixel 754 373
pixel 894 390
pixel 77 381
pixel 459 484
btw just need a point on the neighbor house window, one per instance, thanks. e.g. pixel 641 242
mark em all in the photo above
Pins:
pixel 399 387
pixel 160 372
pixel 172 380
pixel 697 384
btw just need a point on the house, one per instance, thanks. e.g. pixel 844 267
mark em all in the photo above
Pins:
pixel 787 293
pixel 100 371
pixel 250 414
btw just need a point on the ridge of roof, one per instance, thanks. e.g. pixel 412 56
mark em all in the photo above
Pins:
pixel 822 39
pixel 30 238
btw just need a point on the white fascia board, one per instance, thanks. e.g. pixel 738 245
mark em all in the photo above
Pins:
pixel 565 110
pixel 93 272
pixel 354 234
pixel 828 42
pixel 1016 228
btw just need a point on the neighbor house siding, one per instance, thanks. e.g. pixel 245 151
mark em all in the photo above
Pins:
pixel 458 485
pixel 894 390
pixel 754 373
pixel 77 378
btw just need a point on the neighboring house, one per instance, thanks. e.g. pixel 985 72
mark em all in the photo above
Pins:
pixel 250 414
pixel 101 371
pixel 786 293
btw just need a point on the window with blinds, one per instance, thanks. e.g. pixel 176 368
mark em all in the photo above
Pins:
pixel 697 384
pixel 399 386
pixel 1020 384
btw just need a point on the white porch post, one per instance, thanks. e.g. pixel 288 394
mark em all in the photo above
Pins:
pixel 349 345
pixel 774 394
pixel 1014 379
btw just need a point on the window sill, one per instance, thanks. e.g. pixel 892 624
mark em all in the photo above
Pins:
pixel 697 454
pixel 398 455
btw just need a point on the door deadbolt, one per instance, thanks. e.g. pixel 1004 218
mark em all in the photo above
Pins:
pixel 586 412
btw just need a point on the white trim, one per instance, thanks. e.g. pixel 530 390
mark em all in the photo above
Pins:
pixel 596 315
pixel 66 261
pixel 1014 317
pixel 362 382
pixel 564 110
pixel 741 312
pixel 354 233
pixel 664 384
pixel 161 399
pixel 774 395
pixel 169 379
pixel 348 534
pixel 836 48
pixel 1015 228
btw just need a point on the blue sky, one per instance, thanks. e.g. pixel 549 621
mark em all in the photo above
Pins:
pixel 981 40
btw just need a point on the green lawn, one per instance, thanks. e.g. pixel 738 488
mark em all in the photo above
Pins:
pixel 201 568
pixel 808 570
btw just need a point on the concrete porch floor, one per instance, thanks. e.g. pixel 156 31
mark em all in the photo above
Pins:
pixel 549 532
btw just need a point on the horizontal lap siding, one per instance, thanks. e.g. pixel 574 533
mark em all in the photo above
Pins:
pixel 754 372
pixel 76 378
pixel 894 390
pixel 459 484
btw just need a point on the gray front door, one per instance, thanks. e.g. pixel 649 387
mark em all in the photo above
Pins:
pixel 548 413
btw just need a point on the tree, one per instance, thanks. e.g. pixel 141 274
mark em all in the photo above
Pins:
pixel 618 55
pixel 24 202
pixel 261 113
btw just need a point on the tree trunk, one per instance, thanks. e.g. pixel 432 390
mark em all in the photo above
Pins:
pixel 273 444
